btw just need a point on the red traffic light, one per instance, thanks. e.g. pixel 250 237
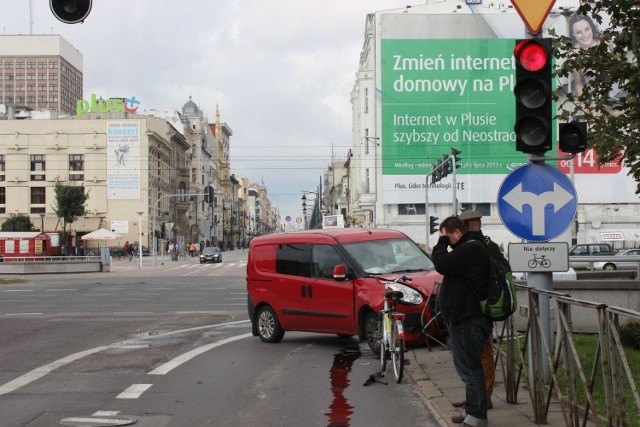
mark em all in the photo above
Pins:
pixel 531 55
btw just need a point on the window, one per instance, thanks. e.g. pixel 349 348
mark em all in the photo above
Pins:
pixel 366 100
pixel 76 167
pixel 290 260
pixel 182 190
pixel 3 199
pixel 366 141
pixel 194 175
pixel 367 184
pixel 37 167
pixel 323 259
pixel 38 196
pixel 2 167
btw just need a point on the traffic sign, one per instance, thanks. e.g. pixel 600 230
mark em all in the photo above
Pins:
pixel 537 202
pixel 539 257
pixel 533 12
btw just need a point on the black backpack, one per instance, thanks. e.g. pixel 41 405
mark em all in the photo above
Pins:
pixel 501 299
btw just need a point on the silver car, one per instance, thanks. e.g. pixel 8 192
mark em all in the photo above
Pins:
pixel 619 265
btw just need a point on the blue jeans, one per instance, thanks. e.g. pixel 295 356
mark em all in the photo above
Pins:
pixel 467 340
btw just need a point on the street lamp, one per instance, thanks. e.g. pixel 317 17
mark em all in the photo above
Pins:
pixel 140 238
pixel 42 223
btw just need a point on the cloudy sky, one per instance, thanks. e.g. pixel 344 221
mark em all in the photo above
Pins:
pixel 280 71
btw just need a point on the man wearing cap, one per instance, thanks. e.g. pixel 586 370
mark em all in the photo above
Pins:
pixel 465 269
pixel 472 222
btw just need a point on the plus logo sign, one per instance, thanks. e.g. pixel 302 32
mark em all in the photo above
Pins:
pixel 537 202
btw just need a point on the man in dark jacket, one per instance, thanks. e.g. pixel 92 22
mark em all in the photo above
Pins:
pixel 465 269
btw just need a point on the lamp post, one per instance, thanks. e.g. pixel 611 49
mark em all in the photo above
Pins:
pixel 42 223
pixel 140 239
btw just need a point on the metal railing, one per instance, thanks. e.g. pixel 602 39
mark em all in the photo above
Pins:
pixel 569 381
pixel 62 258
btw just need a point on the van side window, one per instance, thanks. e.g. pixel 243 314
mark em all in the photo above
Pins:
pixel 290 260
pixel 323 259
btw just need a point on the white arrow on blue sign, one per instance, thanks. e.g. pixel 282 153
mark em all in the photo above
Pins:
pixel 537 202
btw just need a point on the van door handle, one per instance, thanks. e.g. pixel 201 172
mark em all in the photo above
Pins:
pixel 310 292
pixel 303 291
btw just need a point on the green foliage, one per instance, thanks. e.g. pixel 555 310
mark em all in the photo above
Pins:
pixel 18 222
pixel 614 123
pixel 70 205
pixel 630 335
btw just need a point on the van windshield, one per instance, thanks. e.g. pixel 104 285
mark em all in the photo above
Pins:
pixel 389 256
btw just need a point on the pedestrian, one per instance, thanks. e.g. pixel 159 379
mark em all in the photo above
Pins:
pixel 465 269
pixel 80 250
pixel 129 250
pixel 472 222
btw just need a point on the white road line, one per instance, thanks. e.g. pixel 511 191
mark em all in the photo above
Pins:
pixel 44 370
pixel 22 314
pixel 18 290
pixel 134 391
pixel 177 361
pixel 105 413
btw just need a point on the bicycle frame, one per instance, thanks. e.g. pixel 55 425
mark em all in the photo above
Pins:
pixel 391 325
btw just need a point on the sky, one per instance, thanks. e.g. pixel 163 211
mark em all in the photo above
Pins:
pixel 281 72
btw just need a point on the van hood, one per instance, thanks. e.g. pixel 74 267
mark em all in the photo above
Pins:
pixel 423 281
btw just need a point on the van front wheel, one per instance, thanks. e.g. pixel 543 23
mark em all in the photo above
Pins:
pixel 269 329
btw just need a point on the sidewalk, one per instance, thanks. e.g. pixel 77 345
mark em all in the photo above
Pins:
pixel 439 385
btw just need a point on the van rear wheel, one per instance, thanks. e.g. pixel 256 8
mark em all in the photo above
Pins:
pixel 269 329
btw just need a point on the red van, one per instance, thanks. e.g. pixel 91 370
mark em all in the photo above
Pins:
pixel 325 281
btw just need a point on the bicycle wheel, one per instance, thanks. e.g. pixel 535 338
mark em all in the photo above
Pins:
pixel 397 351
pixel 384 345
pixel 532 263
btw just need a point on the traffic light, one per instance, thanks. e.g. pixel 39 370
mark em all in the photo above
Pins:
pixel 70 11
pixel 454 154
pixel 533 95
pixel 433 225
pixel 446 166
pixel 208 194
pixel 573 137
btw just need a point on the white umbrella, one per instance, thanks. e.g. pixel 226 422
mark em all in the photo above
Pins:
pixel 101 234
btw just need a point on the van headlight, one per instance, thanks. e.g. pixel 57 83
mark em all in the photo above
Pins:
pixel 409 295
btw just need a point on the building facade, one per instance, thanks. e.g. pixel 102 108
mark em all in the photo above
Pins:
pixel 40 72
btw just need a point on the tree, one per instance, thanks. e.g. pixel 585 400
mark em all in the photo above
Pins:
pixel 19 222
pixel 611 64
pixel 70 205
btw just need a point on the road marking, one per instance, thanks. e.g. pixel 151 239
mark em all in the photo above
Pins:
pixel 177 361
pixel 22 314
pixel 46 369
pixel 134 391
pixel 105 413
pixel 18 290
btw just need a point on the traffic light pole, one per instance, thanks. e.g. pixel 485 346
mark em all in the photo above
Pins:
pixel 155 211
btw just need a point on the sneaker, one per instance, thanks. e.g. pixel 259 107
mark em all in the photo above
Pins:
pixel 459 404
pixel 463 403
pixel 458 419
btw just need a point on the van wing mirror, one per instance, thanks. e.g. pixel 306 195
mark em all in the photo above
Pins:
pixel 339 272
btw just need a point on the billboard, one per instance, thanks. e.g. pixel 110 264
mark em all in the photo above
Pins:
pixel 438 94
pixel 123 160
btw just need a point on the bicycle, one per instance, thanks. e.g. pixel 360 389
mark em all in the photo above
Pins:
pixel 391 330
pixel 539 260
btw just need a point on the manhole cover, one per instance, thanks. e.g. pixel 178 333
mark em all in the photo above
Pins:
pixel 97 421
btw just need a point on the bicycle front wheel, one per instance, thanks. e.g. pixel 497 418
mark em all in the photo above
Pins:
pixel 397 351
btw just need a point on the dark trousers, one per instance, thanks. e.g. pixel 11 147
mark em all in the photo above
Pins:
pixel 467 341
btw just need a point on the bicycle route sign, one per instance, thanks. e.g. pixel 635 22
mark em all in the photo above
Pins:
pixel 539 257
pixel 537 202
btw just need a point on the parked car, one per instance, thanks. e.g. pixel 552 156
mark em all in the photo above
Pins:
pixel 589 249
pixel 210 254
pixel 619 265
pixel 325 281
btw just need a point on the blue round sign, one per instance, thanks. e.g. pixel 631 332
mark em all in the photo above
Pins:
pixel 537 202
